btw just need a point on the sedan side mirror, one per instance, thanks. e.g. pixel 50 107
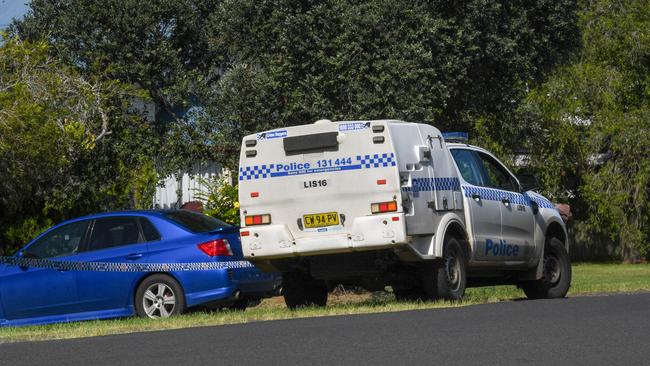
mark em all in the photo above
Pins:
pixel 528 182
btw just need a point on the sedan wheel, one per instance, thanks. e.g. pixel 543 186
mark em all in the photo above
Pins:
pixel 159 296
pixel 159 301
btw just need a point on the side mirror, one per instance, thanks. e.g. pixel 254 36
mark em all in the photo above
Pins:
pixel 528 182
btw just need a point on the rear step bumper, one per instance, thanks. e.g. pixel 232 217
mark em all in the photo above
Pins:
pixel 368 232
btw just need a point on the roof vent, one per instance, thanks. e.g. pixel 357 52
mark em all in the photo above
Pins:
pixel 322 121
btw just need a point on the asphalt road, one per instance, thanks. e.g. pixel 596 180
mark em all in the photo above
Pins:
pixel 600 330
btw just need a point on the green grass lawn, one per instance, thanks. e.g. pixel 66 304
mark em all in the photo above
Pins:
pixel 587 279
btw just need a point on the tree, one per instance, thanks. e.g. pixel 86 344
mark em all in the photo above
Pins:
pixel 448 63
pixel 592 132
pixel 286 62
pixel 157 45
pixel 68 144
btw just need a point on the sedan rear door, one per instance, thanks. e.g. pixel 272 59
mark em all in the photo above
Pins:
pixel 115 239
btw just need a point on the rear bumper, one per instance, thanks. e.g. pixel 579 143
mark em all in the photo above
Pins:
pixel 367 233
pixel 227 285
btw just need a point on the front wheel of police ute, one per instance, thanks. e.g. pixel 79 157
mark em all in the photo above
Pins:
pixel 557 273
pixel 300 289
pixel 446 278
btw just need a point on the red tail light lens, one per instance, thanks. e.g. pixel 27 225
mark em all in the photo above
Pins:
pixel 258 220
pixel 380 207
pixel 215 248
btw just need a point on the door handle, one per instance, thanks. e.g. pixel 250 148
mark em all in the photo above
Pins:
pixel 505 201
pixel 134 256
pixel 476 196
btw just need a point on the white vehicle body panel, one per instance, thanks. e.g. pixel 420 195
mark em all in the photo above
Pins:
pixel 412 165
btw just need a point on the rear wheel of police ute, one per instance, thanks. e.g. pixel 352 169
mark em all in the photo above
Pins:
pixel 557 273
pixel 449 274
pixel 159 296
pixel 300 289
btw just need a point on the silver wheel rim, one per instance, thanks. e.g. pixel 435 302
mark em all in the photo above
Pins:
pixel 159 301
pixel 452 271
pixel 552 270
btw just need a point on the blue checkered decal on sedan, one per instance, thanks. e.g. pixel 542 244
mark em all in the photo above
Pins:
pixel 377 160
pixel 121 267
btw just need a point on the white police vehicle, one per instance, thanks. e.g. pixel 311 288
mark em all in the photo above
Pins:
pixel 377 203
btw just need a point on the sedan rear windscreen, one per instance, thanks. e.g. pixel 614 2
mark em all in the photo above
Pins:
pixel 317 142
pixel 195 222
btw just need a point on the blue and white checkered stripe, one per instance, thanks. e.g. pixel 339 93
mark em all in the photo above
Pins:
pixel 491 194
pixel 377 160
pixel 122 267
pixel 496 195
pixel 363 162
pixel 543 202
pixel 430 184
pixel 255 172
pixel 447 184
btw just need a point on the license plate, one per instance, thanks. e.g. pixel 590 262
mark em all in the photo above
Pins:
pixel 321 220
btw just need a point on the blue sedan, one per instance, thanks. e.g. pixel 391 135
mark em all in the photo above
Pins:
pixel 129 244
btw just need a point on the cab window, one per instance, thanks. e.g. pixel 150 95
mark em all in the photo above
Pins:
pixel 496 176
pixel 468 165
pixel 114 232
pixel 59 242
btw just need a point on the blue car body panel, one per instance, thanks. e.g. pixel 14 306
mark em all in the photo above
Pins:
pixel 41 295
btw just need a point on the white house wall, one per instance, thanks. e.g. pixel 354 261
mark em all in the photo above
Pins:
pixel 177 190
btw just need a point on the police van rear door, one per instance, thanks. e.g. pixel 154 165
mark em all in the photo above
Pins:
pixel 316 179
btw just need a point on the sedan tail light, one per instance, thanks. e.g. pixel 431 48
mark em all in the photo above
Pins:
pixel 216 247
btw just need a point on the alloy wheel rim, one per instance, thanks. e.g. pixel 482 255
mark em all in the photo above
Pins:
pixel 159 301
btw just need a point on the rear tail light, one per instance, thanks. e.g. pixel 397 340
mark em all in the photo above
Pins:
pixel 258 220
pixel 380 207
pixel 215 248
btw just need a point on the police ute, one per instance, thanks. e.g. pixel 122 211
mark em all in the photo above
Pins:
pixel 392 203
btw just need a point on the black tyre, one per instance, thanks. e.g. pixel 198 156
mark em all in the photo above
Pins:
pixel 300 290
pixel 446 278
pixel 159 296
pixel 239 305
pixel 557 273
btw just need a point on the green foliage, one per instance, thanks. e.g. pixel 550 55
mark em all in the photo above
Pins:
pixel 251 65
pixel 220 199
pixel 68 145
pixel 442 62
pixel 157 45
pixel 593 133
